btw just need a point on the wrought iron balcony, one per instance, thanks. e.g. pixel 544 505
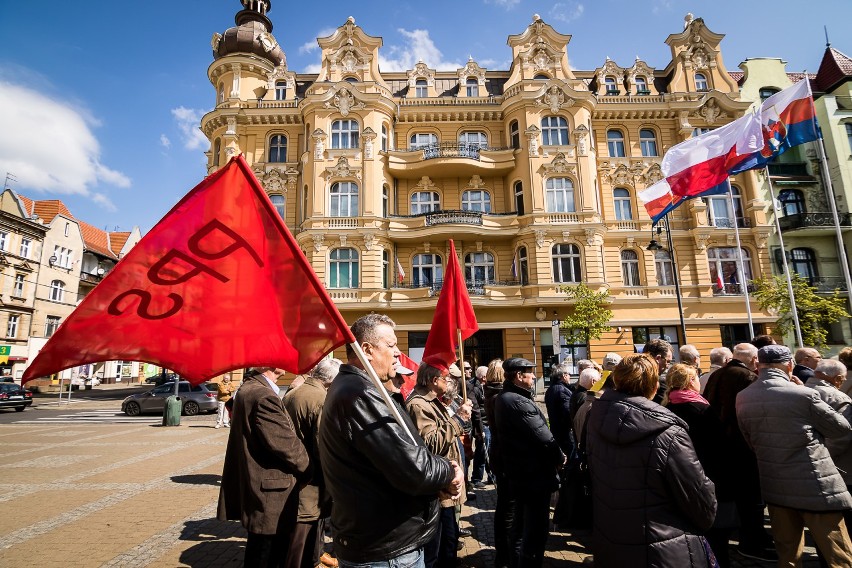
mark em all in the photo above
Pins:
pixel 813 219
pixel 732 289
pixel 476 288
pixel 788 169
pixel 829 284
pixel 454 217
pixel 728 223
pixel 452 150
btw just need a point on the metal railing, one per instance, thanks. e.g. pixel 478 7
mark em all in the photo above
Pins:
pixel 452 150
pixel 454 217
pixel 732 289
pixel 728 223
pixel 476 288
pixel 813 219
pixel 829 284
pixel 788 169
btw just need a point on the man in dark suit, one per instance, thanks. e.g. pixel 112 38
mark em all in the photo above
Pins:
pixel 807 358
pixel 263 460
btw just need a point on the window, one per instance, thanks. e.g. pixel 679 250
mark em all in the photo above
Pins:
pixel 766 92
pixel 386 279
pixel 519 198
pixel 554 131
pixel 12 326
pixel 803 262
pixel 280 90
pixel 351 79
pixel 541 77
pixel 514 135
pixel 479 268
pixel 611 86
pixel 792 202
pixel 849 134
pixel 279 201
pixel 615 143
pixel 57 290
pixel 67 228
pixel 18 288
pixel 630 268
pixel 474 139
pixel 648 142
pixel 50 325
pixel 4 240
pixel 221 93
pixel 566 263
pixel 421 88
pixel 63 257
pixel 724 271
pixel 641 336
pixel 642 86
pixel 278 148
pixel 623 209
pixel 476 200
pixel 384 138
pixel 385 201
pixel 344 199
pixel 700 82
pixel 559 195
pixel 719 210
pixel 472 87
pixel 663 264
pixel 344 134
pixel 217 151
pixel 422 140
pixel 522 271
pixel 699 131
pixel 424 202
pixel 426 270
pixel 343 269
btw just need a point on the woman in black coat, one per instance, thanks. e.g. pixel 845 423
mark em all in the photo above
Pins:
pixel 651 497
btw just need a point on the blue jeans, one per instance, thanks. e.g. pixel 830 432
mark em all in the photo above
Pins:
pixel 413 559
pixel 479 456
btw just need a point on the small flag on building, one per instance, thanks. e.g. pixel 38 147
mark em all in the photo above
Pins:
pixel 400 273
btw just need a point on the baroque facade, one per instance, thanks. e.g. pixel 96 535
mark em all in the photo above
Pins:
pixel 533 171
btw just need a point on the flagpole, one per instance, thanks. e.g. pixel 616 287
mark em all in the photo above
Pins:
pixel 381 388
pixel 740 264
pixel 784 257
pixel 676 277
pixel 461 361
pixel 844 261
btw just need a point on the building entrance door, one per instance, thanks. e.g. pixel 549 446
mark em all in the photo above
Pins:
pixel 483 346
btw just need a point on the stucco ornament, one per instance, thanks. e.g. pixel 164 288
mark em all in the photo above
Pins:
pixel 554 98
pixel 318 239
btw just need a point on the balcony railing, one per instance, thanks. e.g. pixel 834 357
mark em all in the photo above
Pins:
pixel 88 277
pixel 829 284
pixel 476 288
pixel 732 289
pixel 728 223
pixel 791 169
pixel 813 219
pixel 454 217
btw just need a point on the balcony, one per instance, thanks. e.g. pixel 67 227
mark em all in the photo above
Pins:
pixel 732 289
pixel 816 219
pixel 795 169
pixel 829 284
pixel 450 159
pixel 457 222
pixel 728 223
pixel 90 278
pixel 477 288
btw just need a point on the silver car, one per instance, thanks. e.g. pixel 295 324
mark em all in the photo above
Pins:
pixel 194 399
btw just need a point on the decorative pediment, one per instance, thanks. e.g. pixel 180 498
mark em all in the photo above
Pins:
pixel 421 71
pixel 609 67
pixel 710 111
pixel 653 175
pixel 476 183
pixel 699 55
pixel 559 165
pixel 640 68
pixel 541 57
pixel 426 184
pixel 342 170
pixel 345 100
pixel 277 180
pixel 620 176
pixel 472 69
pixel 555 98
pixel 281 73
pixel 350 59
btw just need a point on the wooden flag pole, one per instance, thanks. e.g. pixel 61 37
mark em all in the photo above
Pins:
pixel 461 361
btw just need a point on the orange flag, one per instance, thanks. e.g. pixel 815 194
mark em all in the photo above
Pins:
pixel 218 284
pixel 453 312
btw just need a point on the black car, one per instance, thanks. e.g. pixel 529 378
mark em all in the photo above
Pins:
pixel 13 396
pixel 161 379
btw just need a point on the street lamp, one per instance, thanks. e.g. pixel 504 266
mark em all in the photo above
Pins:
pixel 655 246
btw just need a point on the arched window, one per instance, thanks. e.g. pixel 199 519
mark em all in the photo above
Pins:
pixel 566 263
pixel 279 201
pixel 479 268
pixel 421 140
pixel 217 151
pixel 611 85
pixel 514 135
pixel 554 131
pixel 792 202
pixel 386 277
pixel 766 92
pixel 476 139
pixel 623 208
pixel 540 77
pixel 221 93
pixel 280 90
pixel 57 290
pixel 343 268
pixel 559 195
pixel 385 201
pixel 344 134
pixel 278 148
pixel 472 87
pixel 344 199
pixel 700 82
pixel 615 143
pixel 476 200
pixel 424 202
pixel 519 198
pixel 724 269
pixel 719 212
pixel 803 262
pixel 642 86
pixel 648 142
pixel 421 89
pixel 426 270
pixel 663 264
pixel 630 268
pixel 384 137
pixel 351 79
pixel 521 272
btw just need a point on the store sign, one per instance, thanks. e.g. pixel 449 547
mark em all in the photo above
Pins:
pixel 5 351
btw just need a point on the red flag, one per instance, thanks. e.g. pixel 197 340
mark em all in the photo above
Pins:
pixel 410 380
pixel 218 284
pixel 452 313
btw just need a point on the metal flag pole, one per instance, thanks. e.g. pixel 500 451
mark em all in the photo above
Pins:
pixel 740 264
pixel 381 388
pixel 793 308
pixel 841 249
pixel 676 279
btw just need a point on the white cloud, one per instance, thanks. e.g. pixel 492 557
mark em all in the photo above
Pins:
pixel 419 46
pixel 53 147
pixel 661 6
pixel 566 11
pixel 508 4
pixel 188 120
pixel 164 140
pixel 312 45
pixel 104 201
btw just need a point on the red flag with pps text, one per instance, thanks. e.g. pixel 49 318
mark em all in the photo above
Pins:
pixel 453 312
pixel 218 284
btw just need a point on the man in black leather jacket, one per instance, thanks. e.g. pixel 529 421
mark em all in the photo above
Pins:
pixel 530 458
pixel 384 487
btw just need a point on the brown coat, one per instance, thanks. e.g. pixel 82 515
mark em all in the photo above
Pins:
pixel 226 390
pixel 262 461
pixel 304 405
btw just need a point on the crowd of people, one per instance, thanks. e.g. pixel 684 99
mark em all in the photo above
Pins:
pixel 660 463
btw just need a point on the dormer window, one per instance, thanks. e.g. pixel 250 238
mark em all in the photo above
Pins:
pixel 700 82
pixel 351 79
pixel 280 90
pixel 642 86
pixel 421 89
pixel 611 86
pixel 541 77
pixel 472 86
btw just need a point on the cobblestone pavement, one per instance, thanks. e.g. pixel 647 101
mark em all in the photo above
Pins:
pixel 132 495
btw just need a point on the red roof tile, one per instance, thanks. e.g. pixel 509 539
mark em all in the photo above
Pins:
pixel 28 204
pixel 835 67
pixel 47 209
pixel 95 239
pixel 117 241
pixel 737 76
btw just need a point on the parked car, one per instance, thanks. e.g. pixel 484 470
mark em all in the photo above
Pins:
pixel 201 398
pixel 160 378
pixel 13 396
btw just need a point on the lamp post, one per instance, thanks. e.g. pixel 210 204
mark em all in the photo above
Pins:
pixel 655 246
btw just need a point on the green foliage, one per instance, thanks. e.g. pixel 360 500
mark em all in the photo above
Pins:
pixel 591 315
pixel 816 312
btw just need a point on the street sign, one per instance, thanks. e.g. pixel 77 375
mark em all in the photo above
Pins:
pixel 5 351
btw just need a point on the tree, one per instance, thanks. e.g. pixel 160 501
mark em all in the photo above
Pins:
pixel 816 312
pixel 591 314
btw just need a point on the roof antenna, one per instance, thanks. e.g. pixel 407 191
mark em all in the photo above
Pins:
pixel 827 43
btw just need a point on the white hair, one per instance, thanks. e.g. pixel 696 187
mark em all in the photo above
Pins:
pixel 326 370
pixel 589 377
pixel 481 371
pixel 745 352
pixel 720 355
pixel 830 367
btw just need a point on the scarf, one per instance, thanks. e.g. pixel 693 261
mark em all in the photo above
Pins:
pixel 685 395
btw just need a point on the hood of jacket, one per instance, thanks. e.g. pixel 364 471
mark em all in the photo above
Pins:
pixel 626 419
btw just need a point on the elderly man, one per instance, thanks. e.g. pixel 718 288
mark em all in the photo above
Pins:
pixel 557 399
pixel 660 351
pixel 807 359
pixel 264 461
pixel 383 480
pixel 481 433
pixel 786 425
pixel 689 355
pixel 531 459
pixel 719 357
pixel 304 405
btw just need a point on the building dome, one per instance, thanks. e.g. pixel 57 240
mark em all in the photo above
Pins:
pixel 252 34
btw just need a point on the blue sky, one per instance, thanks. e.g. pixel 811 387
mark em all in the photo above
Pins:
pixel 101 100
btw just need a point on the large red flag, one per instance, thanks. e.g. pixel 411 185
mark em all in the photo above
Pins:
pixel 452 313
pixel 218 284
pixel 410 381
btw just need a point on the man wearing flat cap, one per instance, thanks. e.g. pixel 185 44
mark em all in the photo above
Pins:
pixel 786 425
pixel 530 460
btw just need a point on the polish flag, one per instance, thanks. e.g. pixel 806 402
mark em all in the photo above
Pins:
pixel 400 273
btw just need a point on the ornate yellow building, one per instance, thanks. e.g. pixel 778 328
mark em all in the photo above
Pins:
pixel 533 171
